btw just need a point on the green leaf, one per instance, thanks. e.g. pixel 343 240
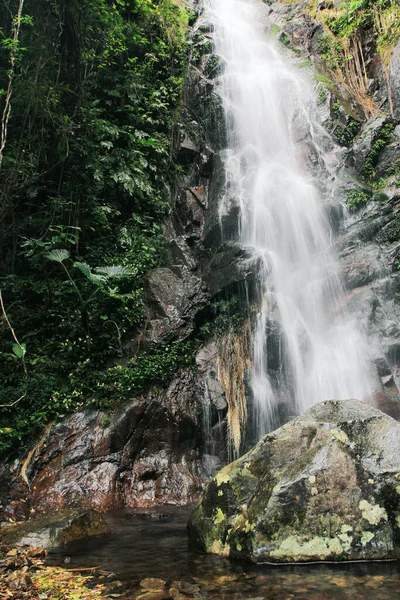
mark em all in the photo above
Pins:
pixel 19 351
pixel 114 271
pixel 58 255
pixel 84 268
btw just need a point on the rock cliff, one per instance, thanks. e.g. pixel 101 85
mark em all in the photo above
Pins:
pixel 163 446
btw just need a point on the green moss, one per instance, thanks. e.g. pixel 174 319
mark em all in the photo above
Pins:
pixel 380 197
pixel 341 436
pixel 224 475
pixel 274 30
pixel 366 537
pixel 331 52
pixel 305 64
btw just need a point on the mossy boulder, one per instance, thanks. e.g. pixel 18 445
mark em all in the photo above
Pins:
pixel 325 486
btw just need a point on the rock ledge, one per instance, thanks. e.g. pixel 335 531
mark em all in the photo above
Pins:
pixel 56 529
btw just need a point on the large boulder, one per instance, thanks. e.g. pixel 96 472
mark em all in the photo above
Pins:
pixel 325 486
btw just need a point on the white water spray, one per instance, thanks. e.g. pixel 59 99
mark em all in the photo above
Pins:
pixel 321 353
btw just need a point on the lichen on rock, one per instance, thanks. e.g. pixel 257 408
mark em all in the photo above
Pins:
pixel 318 488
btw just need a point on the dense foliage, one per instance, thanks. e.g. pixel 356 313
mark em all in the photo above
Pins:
pixel 85 183
pixel 347 27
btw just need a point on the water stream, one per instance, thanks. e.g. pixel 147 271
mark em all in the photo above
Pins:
pixel 305 347
pixel 153 543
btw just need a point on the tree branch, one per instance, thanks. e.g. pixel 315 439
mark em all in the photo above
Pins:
pixel 13 55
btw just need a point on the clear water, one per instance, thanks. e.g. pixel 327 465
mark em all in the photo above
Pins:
pixel 276 151
pixel 138 548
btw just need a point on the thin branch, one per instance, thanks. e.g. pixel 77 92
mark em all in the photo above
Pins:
pixel 13 55
pixel 7 320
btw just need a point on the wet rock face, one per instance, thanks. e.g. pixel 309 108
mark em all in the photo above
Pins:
pixel 395 80
pixel 175 299
pixel 178 295
pixel 146 453
pixel 368 261
pixel 325 486
pixel 56 529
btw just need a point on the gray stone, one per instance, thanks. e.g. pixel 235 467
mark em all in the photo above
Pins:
pixel 215 393
pixel 231 268
pixel 362 266
pixel 174 299
pixel 389 160
pixel 56 529
pixel 189 212
pixel 207 364
pixel 334 214
pixel 325 486
pixel 395 80
pixel 207 356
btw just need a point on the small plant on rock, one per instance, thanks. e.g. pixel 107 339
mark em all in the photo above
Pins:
pixel 356 199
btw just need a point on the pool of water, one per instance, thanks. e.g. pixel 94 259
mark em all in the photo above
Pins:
pixel 153 543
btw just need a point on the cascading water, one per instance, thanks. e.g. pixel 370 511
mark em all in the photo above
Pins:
pixel 266 100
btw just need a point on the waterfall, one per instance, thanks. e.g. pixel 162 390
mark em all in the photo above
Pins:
pixel 306 348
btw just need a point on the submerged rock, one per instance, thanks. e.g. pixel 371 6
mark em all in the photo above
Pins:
pixel 325 486
pixel 56 529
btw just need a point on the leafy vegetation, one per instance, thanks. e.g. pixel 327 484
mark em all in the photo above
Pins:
pixel 86 178
pixel 345 134
pixel 382 139
pixel 356 199
pixel 342 46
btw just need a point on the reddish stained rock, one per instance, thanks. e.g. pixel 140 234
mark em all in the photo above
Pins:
pixel 388 402
pixel 146 454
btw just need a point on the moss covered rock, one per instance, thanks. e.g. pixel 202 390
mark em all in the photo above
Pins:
pixel 325 486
